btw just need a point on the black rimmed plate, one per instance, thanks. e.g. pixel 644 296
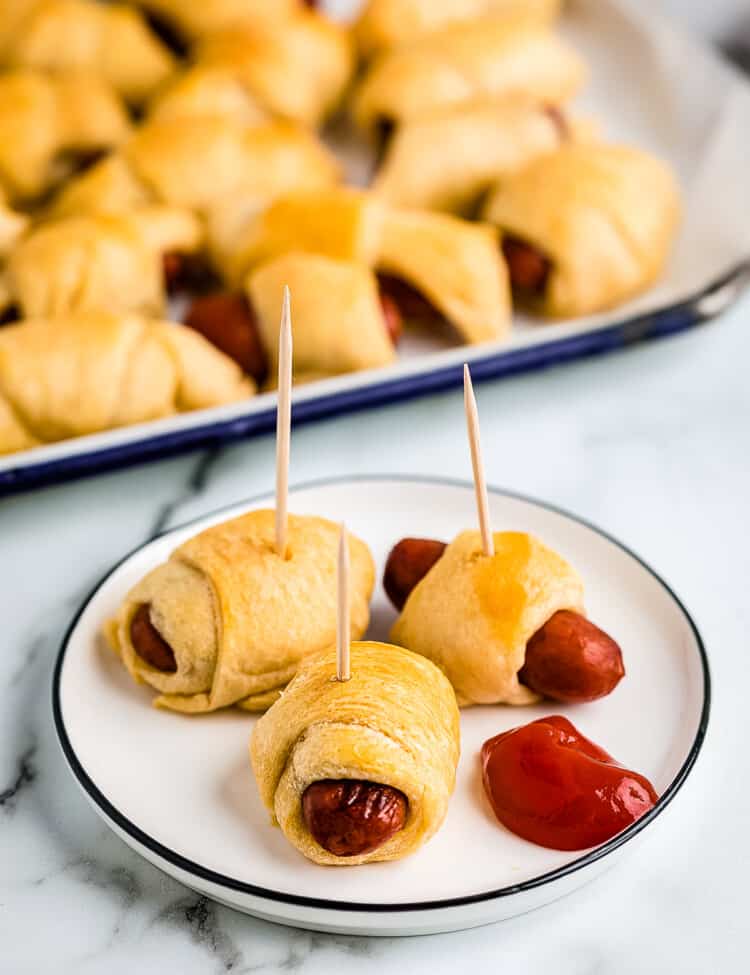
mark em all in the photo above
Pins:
pixel 180 790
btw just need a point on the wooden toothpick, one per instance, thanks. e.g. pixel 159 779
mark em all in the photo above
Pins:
pixel 283 425
pixel 343 627
pixel 480 486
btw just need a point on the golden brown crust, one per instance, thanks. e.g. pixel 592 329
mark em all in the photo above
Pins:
pixel 394 723
pixel 605 216
pixel 383 24
pixel 44 119
pixel 201 90
pixel 454 263
pixel 194 161
pixel 67 377
pixel 110 263
pixel 341 222
pixel 447 160
pixel 237 616
pixel 12 226
pixel 297 68
pixel 473 616
pixel 110 41
pixel 486 58
pixel 110 186
pixel 338 321
pixel 195 19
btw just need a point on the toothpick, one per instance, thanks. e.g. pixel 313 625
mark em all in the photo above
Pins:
pixel 480 486
pixel 283 425
pixel 343 628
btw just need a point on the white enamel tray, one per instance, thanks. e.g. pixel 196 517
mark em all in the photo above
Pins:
pixel 650 85
pixel 180 790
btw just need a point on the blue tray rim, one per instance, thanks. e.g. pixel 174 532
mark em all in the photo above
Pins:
pixel 704 305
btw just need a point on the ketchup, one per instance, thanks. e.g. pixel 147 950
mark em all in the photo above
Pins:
pixel 550 785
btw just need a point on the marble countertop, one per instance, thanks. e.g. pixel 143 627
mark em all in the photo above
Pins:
pixel 651 443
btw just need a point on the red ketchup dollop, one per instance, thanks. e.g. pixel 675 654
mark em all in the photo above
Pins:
pixel 549 784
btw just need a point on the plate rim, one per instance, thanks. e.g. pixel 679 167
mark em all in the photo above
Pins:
pixel 112 813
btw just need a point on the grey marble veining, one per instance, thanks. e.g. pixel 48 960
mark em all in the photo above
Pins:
pixel 651 443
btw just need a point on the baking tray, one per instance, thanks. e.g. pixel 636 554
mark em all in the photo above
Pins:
pixel 642 92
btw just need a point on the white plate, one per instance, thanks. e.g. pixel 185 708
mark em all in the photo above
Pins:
pixel 180 791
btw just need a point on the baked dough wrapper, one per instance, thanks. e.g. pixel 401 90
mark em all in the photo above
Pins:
pixel 212 91
pixel 196 161
pixel 110 41
pixel 473 616
pixel 395 722
pixel 456 264
pixel 104 262
pixel 387 23
pixel 605 216
pixel 67 377
pixel 487 58
pixel 44 120
pixel 297 68
pixel 446 161
pixel 237 616
pixel 194 19
pixel 338 320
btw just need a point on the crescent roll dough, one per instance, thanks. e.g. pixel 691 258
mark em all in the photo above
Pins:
pixel 194 161
pixel 67 377
pixel 110 41
pixel 604 216
pixel 342 222
pixel 338 321
pixel 239 618
pixel 12 226
pixel 486 58
pixel 193 19
pixel 473 615
pixel 446 161
pixel 394 723
pixel 387 23
pixel 207 91
pixel 297 68
pixel 456 264
pixel 106 262
pixel 45 121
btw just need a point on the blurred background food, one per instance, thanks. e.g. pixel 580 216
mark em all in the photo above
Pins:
pixel 166 149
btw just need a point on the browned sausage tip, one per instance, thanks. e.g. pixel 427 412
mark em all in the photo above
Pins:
pixel 394 323
pixel 528 268
pixel 569 659
pixel 149 644
pixel 228 321
pixel 409 561
pixel 348 817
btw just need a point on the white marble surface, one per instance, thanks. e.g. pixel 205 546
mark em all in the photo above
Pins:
pixel 651 443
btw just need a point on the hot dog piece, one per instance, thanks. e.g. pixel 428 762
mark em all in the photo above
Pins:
pixel 528 268
pixel 149 644
pixel 569 659
pixel 187 273
pixel 348 817
pixel 409 561
pixel 412 304
pixel 168 33
pixel 394 323
pixel 227 320
pixel 557 115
